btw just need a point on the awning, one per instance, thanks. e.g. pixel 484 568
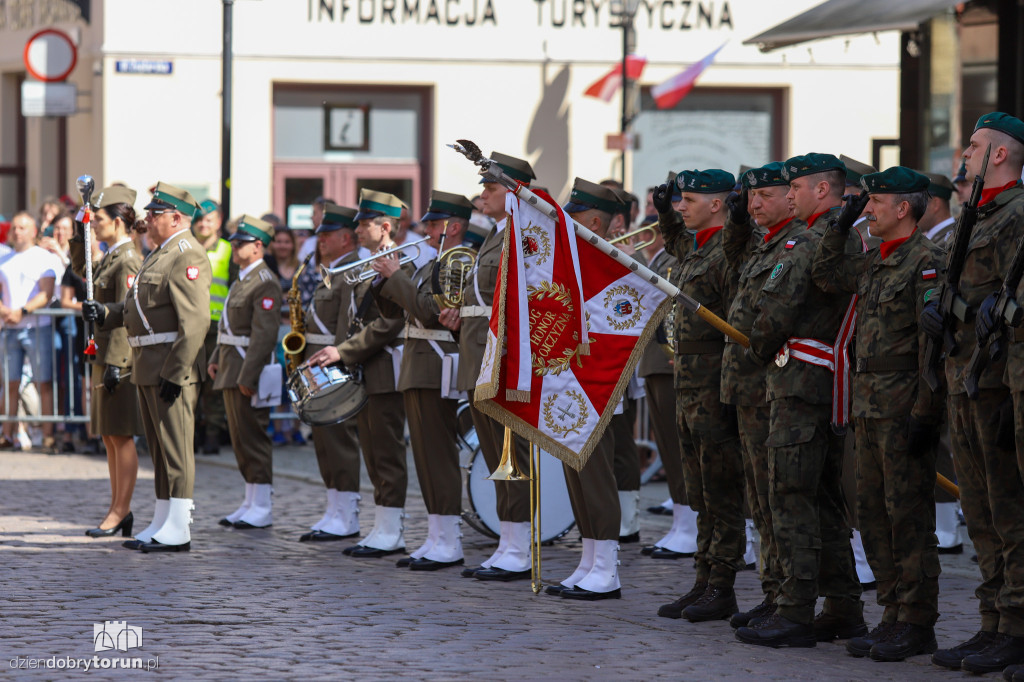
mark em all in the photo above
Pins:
pixel 849 17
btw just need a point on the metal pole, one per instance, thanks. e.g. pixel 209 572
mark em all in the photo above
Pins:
pixel 626 19
pixel 225 107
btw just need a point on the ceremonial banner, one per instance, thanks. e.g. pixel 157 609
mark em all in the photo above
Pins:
pixel 568 326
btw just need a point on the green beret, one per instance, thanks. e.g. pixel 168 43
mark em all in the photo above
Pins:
pixel 855 170
pixel 170 197
pixel 768 175
pixel 1004 123
pixel 517 169
pixel 939 186
pixel 253 229
pixel 115 194
pixel 895 180
pixel 337 217
pixel 587 195
pixel 810 164
pixel 711 181
pixel 373 204
pixel 447 205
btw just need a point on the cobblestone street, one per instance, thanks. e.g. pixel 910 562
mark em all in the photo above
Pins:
pixel 257 604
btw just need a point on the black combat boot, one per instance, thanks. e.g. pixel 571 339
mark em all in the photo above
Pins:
pixel 716 603
pixel 905 640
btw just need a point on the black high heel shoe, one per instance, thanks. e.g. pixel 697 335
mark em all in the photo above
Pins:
pixel 125 526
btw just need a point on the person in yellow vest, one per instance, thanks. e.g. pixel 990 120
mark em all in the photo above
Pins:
pixel 210 417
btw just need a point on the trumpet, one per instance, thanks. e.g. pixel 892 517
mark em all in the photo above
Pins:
pixel 630 235
pixel 360 270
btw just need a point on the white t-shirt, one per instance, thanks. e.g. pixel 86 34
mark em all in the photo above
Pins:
pixel 19 280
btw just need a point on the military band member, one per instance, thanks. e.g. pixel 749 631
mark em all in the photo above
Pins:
pixel 376 347
pixel 897 417
pixel 246 341
pixel 511 559
pixel 429 361
pixel 982 430
pixel 809 514
pixel 709 442
pixel 938 221
pixel 167 315
pixel 327 321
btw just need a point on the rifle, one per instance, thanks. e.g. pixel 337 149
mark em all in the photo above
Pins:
pixel 1005 312
pixel 951 302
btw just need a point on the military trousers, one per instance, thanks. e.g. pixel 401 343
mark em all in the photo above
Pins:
pixel 382 440
pixel 512 498
pixel 754 422
pixel 809 513
pixel 169 433
pixel 992 497
pixel 627 456
pixel 433 432
pixel 249 438
pixel 593 493
pixel 896 512
pixel 661 400
pixel 713 471
pixel 212 418
pixel 337 455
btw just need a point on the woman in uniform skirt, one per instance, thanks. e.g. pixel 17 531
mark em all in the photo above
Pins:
pixel 115 408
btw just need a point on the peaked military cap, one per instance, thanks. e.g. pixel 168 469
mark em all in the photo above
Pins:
pixel 170 197
pixel 1004 123
pixel 517 169
pixel 711 181
pixel 373 204
pixel 115 194
pixel 809 164
pixel 940 186
pixel 447 205
pixel 480 226
pixel 251 229
pixel 855 170
pixel 768 175
pixel 626 201
pixel 895 180
pixel 671 181
pixel 336 217
pixel 587 195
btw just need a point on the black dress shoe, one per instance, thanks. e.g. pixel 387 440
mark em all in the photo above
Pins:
pixel 586 595
pixel 903 641
pixel 647 549
pixel 1014 672
pixel 744 618
pixel 662 553
pixel 659 511
pixel 154 546
pixel 404 562
pixel 675 609
pixel 501 575
pixel 132 544
pixel 717 603
pixel 470 572
pixel 628 539
pixel 363 552
pixel 321 536
pixel 125 526
pixel 224 522
pixel 556 590
pixel 425 564
pixel 1004 651
pixel 828 627
pixel 952 658
pixel 776 631
pixel 955 549
pixel 245 525
pixel 859 647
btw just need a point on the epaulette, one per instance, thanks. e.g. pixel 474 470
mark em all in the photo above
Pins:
pixel 266 276
pixel 183 244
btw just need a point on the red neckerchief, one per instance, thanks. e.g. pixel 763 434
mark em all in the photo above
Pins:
pixel 886 248
pixel 772 231
pixel 988 195
pixel 704 235
pixel 810 221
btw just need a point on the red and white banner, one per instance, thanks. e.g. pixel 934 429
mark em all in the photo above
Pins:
pixel 605 87
pixel 568 326
pixel 669 93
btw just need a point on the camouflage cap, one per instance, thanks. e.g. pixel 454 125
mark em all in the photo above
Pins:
pixel 587 195
pixel 940 186
pixel 895 180
pixel 768 175
pixel 711 181
pixel 336 217
pixel 517 169
pixel 447 205
pixel 855 170
pixel 809 164
pixel 251 229
pixel 115 194
pixel 1004 123
pixel 167 196
pixel 373 204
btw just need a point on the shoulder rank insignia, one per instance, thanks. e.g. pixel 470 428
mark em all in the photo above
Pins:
pixel 266 276
pixel 183 244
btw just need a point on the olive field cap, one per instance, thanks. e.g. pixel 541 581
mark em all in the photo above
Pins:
pixel 625 199
pixel 337 217
pixel 115 194
pixel 940 186
pixel 855 170
pixel 810 164
pixel 252 229
pixel 168 196
pixel 586 195
pixel 447 205
pixel 895 180
pixel 480 226
pixel 517 169
pixel 373 204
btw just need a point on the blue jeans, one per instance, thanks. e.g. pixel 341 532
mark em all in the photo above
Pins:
pixel 34 342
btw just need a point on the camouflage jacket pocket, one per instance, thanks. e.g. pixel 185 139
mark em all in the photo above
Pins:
pixel 897 306
pixel 790 434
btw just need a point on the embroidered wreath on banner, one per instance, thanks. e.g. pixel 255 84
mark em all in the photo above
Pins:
pixel 626 305
pixel 536 244
pixel 553 348
pixel 565 413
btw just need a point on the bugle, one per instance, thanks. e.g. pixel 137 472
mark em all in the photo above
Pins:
pixel 643 244
pixel 360 270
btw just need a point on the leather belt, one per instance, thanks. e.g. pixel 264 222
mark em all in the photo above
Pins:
pixel 475 311
pixel 893 363
pixel 152 339
pixel 699 347
pixel 1018 335
pixel 232 340
pixel 320 339
pixel 427 334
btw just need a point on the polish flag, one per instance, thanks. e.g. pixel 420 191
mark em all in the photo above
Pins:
pixel 606 87
pixel 668 93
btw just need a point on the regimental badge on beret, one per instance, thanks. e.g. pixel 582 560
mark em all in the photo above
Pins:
pixel 895 180
pixel 768 175
pixel 711 181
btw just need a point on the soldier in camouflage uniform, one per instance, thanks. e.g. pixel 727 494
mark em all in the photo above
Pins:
pixel 809 515
pixel 981 430
pixel 753 239
pixel 897 416
pixel 712 462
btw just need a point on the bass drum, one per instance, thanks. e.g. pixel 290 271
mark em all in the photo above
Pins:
pixel 556 517
pixel 322 396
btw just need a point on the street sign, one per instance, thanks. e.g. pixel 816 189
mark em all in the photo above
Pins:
pixel 160 67
pixel 48 99
pixel 50 55
pixel 621 142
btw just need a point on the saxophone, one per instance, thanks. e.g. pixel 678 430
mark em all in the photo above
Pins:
pixel 294 342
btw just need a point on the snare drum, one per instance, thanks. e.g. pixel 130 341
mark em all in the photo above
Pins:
pixel 322 396
pixel 556 517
